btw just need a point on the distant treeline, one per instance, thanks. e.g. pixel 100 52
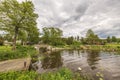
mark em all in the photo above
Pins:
pixel 92 39
pixel 53 36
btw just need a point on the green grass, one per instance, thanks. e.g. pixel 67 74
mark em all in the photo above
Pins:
pixel 22 51
pixel 62 74
pixel 107 47
pixel 5 48
pixel 22 75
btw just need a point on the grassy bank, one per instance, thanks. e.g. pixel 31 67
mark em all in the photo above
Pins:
pixel 62 74
pixel 22 75
pixel 7 53
pixel 107 47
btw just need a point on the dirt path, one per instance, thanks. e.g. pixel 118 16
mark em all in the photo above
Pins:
pixel 15 64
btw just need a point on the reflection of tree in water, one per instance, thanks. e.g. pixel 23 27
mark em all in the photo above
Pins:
pixel 92 58
pixel 52 60
pixel 71 52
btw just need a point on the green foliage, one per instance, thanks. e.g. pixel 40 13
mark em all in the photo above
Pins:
pixel 108 39
pixel 8 37
pixel 22 75
pixel 20 52
pixel 69 40
pixel 107 47
pixel 75 45
pixel 90 33
pixel 5 48
pixel 62 74
pixel 118 40
pixel 33 36
pixel 114 39
pixel 52 36
pixel 91 38
pixel 15 16
pixel 83 40
pixel 22 35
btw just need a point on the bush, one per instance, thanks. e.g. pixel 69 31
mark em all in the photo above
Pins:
pixel 62 74
pixel 20 52
pixel 22 75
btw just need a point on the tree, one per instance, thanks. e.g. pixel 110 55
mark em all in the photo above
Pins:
pixel 15 16
pixel 70 40
pixel 78 38
pixel 114 39
pixel 83 40
pixel 90 33
pixel 22 35
pixel 33 36
pixel 92 38
pixel 52 36
pixel 108 39
pixel 8 37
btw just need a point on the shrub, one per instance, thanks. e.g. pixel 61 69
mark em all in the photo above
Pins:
pixel 62 74
pixel 20 52
pixel 21 75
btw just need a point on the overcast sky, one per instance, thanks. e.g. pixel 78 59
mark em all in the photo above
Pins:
pixel 75 17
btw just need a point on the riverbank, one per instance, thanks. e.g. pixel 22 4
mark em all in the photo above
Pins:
pixel 62 74
pixel 30 51
pixel 101 47
pixel 107 47
pixel 12 68
pixel 16 60
pixel 15 65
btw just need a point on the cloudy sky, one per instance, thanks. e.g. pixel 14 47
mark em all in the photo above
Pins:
pixel 75 17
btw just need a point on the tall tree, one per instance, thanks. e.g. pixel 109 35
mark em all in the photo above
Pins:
pixel 89 33
pixel 22 35
pixel 114 39
pixel 83 40
pixel 33 35
pixel 15 16
pixel 108 39
pixel 92 38
pixel 70 40
pixel 78 38
pixel 52 35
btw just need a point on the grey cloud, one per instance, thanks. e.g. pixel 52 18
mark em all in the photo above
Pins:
pixel 75 17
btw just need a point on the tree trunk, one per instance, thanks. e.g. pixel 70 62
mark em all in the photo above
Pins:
pixel 15 38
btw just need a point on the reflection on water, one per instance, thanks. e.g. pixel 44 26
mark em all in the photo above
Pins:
pixel 53 60
pixel 92 58
pixel 91 62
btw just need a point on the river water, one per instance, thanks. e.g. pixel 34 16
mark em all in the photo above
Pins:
pixel 96 64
